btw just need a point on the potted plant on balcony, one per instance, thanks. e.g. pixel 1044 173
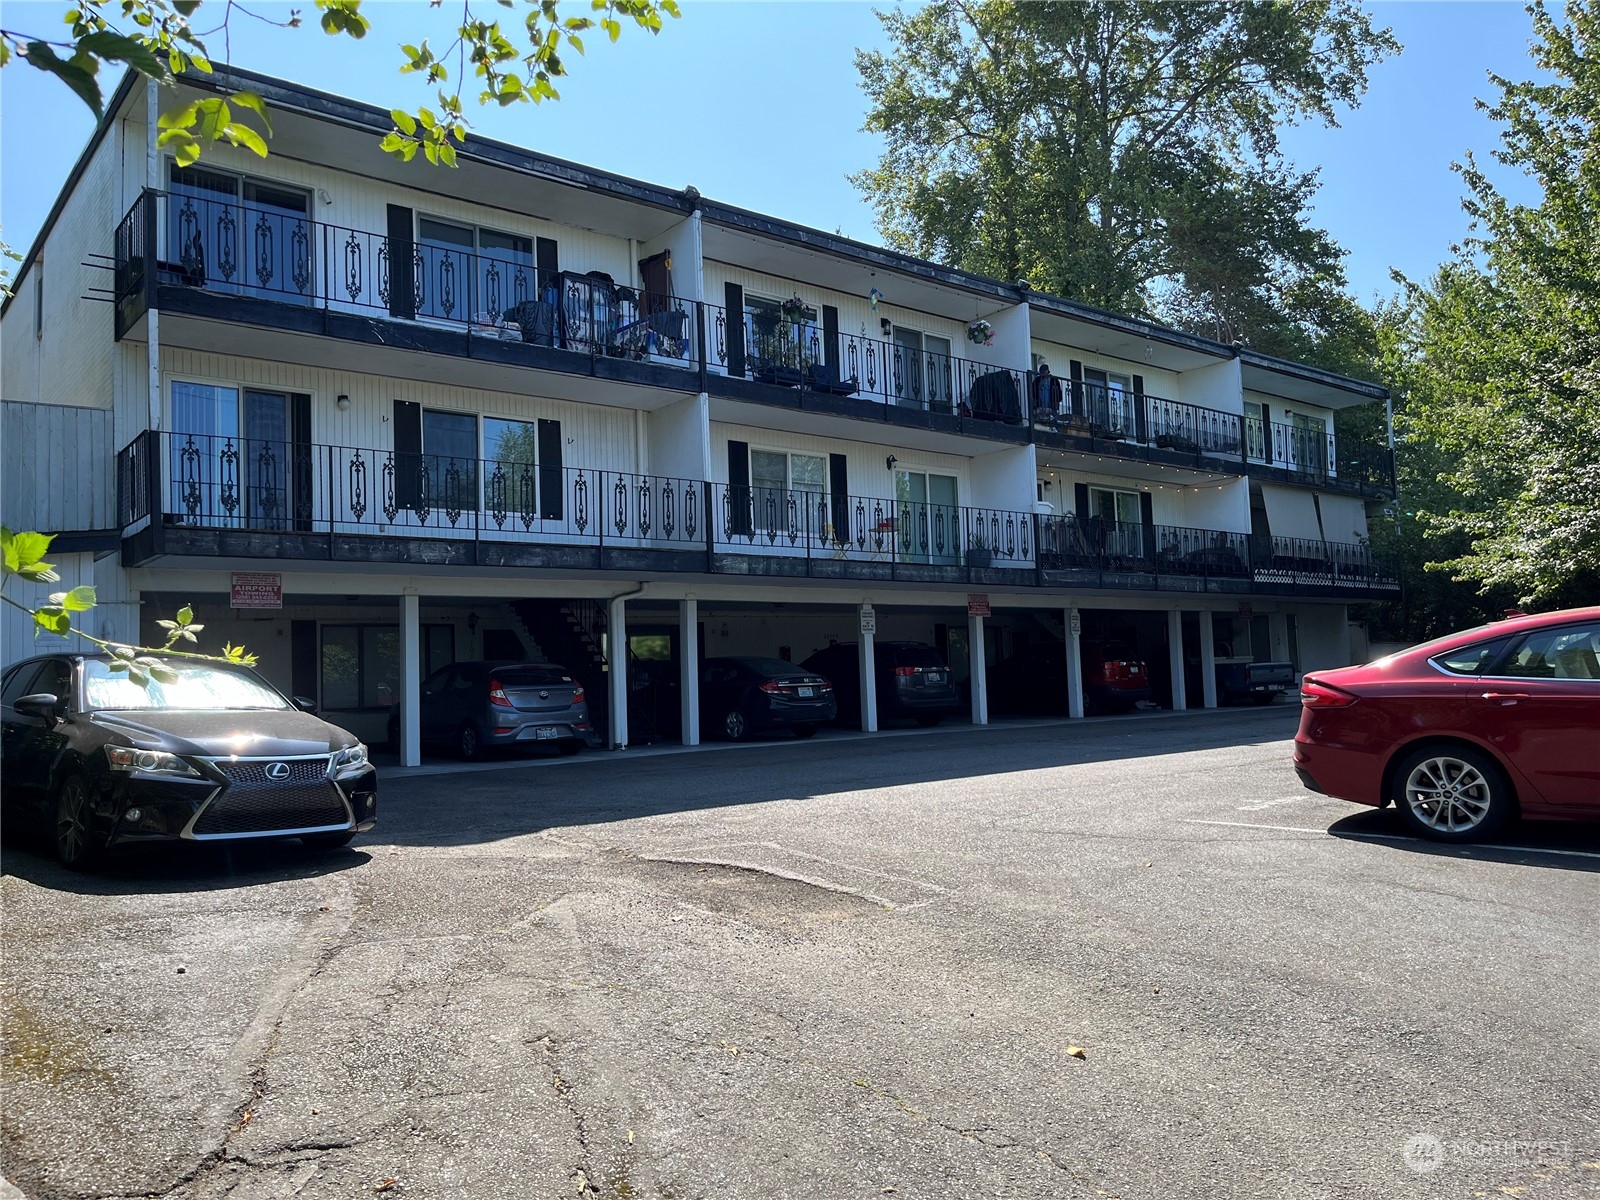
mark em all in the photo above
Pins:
pixel 980 333
pixel 779 342
pixel 978 552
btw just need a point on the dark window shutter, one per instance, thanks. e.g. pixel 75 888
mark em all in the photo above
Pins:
pixel 302 493
pixel 545 262
pixel 407 452
pixel 1141 419
pixel 733 299
pixel 1075 371
pixel 551 489
pixel 1080 500
pixel 402 249
pixel 839 485
pixel 655 281
pixel 830 343
pixel 739 517
pixel 1147 518
pixel 303 658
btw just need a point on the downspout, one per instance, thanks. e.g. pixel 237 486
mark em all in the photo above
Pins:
pixel 152 182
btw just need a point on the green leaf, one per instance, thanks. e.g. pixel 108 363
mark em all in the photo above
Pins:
pixel 186 148
pixel 23 549
pixel 119 48
pixel 186 8
pixel 243 135
pixel 392 142
pixel 79 599
pixel 431 149
pixel 185 615
pixel 256 105
pixel 404 121
pixel 179 118
pixel 76 73
pixel 52 618
pixel 163 673
pixel 425 115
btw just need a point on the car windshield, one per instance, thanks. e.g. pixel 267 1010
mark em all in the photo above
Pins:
pixel 917 656
pixel 198 686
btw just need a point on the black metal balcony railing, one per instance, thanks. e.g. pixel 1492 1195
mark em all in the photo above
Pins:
pixel 246 250
pixel 268 253
pixel 766 346
pixel 263 485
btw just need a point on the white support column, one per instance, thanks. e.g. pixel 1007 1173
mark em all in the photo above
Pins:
pixel 866 664
pixel 410 679
pixel 1208 659
pixel 980 683
pixel 1074 624
pixel 617 676
pixel 689 669
pixel 1175 659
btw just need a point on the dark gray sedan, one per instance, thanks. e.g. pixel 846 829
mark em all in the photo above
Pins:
pixel 475 706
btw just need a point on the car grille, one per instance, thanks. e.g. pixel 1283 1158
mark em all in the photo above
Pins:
pixel 252 803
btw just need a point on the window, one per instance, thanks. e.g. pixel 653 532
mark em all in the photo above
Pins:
pixel 927 517
pixel 360 667
pixel 1255 431
pixel 1471 660
pixel 234 233
pixel 468 272
pixel 921 370
pixel 1308 443
pixel 1109 398
pixel 781 346
pixel 20 683
pixel 450 457
pixel 1565 652
pixel 1122 518
pixel 777 476
pixel 241 457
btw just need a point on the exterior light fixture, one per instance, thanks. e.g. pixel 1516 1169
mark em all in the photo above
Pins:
pixel 343 402
pixel 472 622
pixel 890 462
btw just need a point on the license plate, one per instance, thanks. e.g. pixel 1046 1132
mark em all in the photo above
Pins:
pixel 1133 670
pixel 935 677
pixel 544 732
pixel 805 692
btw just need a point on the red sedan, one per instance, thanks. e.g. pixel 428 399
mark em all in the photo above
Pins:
pixel 1464 732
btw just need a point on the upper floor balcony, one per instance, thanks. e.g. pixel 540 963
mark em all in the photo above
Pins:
pixel 402 291
pixel 196 495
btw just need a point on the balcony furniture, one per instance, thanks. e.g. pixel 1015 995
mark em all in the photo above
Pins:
pixel 776 373
pixel 657 333
pixel 1176 441
pixel 824 377
pixel 536 319
pixel 588 311
pixel 994 397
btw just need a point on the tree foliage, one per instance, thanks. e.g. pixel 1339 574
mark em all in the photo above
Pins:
pixel 1506 385
pixel 512 63
pixel 1121 153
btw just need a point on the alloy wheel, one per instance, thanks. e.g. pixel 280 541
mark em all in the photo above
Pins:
pixel 72 822
pixel 1448 795
pixel 469 741
pixel 734 724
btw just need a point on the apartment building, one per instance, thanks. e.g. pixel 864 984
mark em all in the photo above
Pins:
pixel 369 419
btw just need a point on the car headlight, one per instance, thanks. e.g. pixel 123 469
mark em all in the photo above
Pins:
pixel 352 760
pixel 150 762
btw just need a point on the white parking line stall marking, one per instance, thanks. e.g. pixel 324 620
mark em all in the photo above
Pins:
pixel 1397 837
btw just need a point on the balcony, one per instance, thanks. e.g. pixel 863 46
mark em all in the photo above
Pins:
pixel 218 496
pixel 236 262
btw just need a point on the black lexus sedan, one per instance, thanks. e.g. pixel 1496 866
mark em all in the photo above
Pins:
pixel 208 753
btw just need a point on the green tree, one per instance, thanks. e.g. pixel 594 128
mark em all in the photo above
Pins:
pixel 1121 153
pixel 510 64
pixel 1507 387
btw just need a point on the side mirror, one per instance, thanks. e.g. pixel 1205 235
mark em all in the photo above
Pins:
pixel 306 704
pixel 45 705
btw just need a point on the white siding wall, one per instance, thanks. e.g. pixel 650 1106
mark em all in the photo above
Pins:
pixel 597 436
pixel 59 472
pixel 69 362
pixel 868 474
pixel 1224 507
pixel 1157 380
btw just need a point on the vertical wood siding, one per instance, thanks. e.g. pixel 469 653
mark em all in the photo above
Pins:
pixel 59 470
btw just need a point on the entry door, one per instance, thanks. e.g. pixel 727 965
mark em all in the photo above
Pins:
pixel 1308 449
pixel 927 523
pixel 245 236
pixel 1110 399
pixel 267 449
pixel 907 372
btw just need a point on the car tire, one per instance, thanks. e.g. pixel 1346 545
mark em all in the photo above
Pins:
pixel 735 727
pixel 392 734
pixel 929 720
pixel 326 841
pixel 1452 793
pixel 805 731
pixel 72 834
pixel 469 742
pixel 570 746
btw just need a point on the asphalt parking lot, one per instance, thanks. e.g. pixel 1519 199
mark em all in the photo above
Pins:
pixel 1100 959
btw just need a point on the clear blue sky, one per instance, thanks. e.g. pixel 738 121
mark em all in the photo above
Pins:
pixel 757 105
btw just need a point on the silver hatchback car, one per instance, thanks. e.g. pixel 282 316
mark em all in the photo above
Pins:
pixel 476 706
